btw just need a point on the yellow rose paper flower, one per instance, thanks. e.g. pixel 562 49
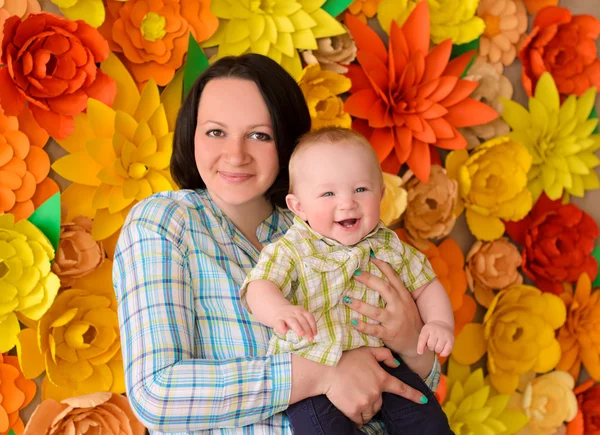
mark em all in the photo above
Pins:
pixel 518 335
pixel 548 401
pixel 579 338
pixel 77 341
pixel 27 285
pixel 119 155
pixel 493 185
pixel 472 407
pixel 394 199
pixel 559 137
pixel 277 28
pixel 90 11
pixel 450 19
pixel 321 89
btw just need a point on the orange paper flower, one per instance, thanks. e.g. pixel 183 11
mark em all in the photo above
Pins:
pixel 20 8
pixel 17 393
pixel 363 9
pixel 587 420
pixel 152 35
pixel 411 98
pixel 24 165
pixel 534 6
pixel 50 62
pixel 579 338
pixel 564 45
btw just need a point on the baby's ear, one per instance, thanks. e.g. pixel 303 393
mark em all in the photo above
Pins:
pixel 294 205
pixel 382 190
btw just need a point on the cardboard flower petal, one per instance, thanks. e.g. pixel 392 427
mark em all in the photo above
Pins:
pixel 518 335
pixel 106 412
pixel 450 19
pixel 24 165
pixel 557 241
pixel 560 138
pixel 90 11
pixel 587 420
pixel 579 338
pixel 20 8
pixel 364 9
pixel 565 46
pixel 27 285
pixel 277 29
pixel 393 203
pixel 505 26
pixel 333 54
pixel 17 393
pixel 321 89
pixel 548 401
pixel 492 266
pixel 50 63
pixel 118 156
pixel 430 213
pixel 151 37
pixel 408 98
pixel 472 407
pixel 76 342
pixel 493 185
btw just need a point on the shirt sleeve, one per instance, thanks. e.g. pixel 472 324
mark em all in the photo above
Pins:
pixel 170 389
pixel 415 269
pixel 433 378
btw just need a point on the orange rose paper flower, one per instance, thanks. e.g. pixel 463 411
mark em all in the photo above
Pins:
pixel 17 393
pixel 564 45
pixel 105 412
pixel 152 35
pixel 580 337
pixel 410 98
pixel 557 241
pixel 50 63
pixel 24 165
pixel 587 420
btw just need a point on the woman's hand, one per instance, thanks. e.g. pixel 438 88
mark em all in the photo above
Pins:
pixel 355 385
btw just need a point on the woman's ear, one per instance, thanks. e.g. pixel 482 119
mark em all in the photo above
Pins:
pixel 294 204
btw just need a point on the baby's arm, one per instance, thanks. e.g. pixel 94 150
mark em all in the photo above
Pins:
pixel 272 309
pixel 436 311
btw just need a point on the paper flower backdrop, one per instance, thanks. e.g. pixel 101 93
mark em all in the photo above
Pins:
pixel 17 393
pixel 19 8
pixel 363 9
pixel 393 203
pixel 587 421
pixel 277 29
pixel 410 98
pixel 333 54
pixel 50 63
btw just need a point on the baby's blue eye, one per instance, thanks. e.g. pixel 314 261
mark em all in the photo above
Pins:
pixel 328 194
pixel 361 189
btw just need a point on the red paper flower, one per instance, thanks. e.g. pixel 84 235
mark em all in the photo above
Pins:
pixel 587 420
pixel 50 62
pixel 558 241
pixel 408 98
pixel 565 46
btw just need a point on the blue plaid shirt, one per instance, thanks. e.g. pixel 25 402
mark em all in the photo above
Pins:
pixel 194 359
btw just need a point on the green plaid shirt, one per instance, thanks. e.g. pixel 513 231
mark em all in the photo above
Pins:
pixel 316 273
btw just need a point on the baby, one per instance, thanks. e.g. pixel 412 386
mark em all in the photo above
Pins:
pixel 303 282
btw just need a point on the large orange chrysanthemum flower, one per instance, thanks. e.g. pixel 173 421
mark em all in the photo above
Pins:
pixel 408 98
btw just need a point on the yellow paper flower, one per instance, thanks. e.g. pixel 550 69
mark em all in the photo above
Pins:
pixel 27 285
pixel 276 28
pixel 118 156
pixel 548 401
pixel 579 337
pixel 363 9
pixel 559 137
pixel 394 199
pixel 321 89
pixel 518 335
pixel 493 185
pixel 90 11
pixel 77 341
pixel 472 407
pixel 450 19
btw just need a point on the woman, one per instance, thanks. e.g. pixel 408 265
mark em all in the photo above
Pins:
pixel 193 358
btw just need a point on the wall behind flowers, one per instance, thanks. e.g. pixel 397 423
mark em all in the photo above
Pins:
pixel 522 207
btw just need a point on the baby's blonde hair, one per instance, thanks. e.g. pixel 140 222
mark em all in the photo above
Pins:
pixel 333 136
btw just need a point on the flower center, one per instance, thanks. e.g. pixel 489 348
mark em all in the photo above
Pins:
pixel 492 25
pixel 3 269
pixel 137 171
pixel 153 27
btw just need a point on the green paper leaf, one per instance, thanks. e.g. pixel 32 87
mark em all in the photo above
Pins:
pixel 458 50
pixel 594 115
pixel 336 7
pixel 47 219
pixel 195 63
pixel 12 432
pixel 596 255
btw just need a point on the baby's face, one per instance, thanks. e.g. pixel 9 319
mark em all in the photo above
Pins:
pixel 338 191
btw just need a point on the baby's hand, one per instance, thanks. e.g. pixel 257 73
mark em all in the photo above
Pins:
pixel 297 319
pixel 438 337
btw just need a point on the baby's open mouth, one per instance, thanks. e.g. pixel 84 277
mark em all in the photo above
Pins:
pixel 347 223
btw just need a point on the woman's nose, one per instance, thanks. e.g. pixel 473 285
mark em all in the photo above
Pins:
pixel 235 151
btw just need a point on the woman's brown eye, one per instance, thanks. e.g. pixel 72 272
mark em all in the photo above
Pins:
pixel 263 137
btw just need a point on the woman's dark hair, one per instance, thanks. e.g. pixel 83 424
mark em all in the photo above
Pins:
pixel 284 100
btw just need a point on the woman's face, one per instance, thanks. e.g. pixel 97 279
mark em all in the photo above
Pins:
pixel 234 145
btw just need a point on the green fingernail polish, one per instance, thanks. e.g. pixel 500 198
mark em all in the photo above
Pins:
pixel 424 400
pixel 372 254
pixel 396 361
pixel 354 322
pixel 357 272
pixel 347 300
